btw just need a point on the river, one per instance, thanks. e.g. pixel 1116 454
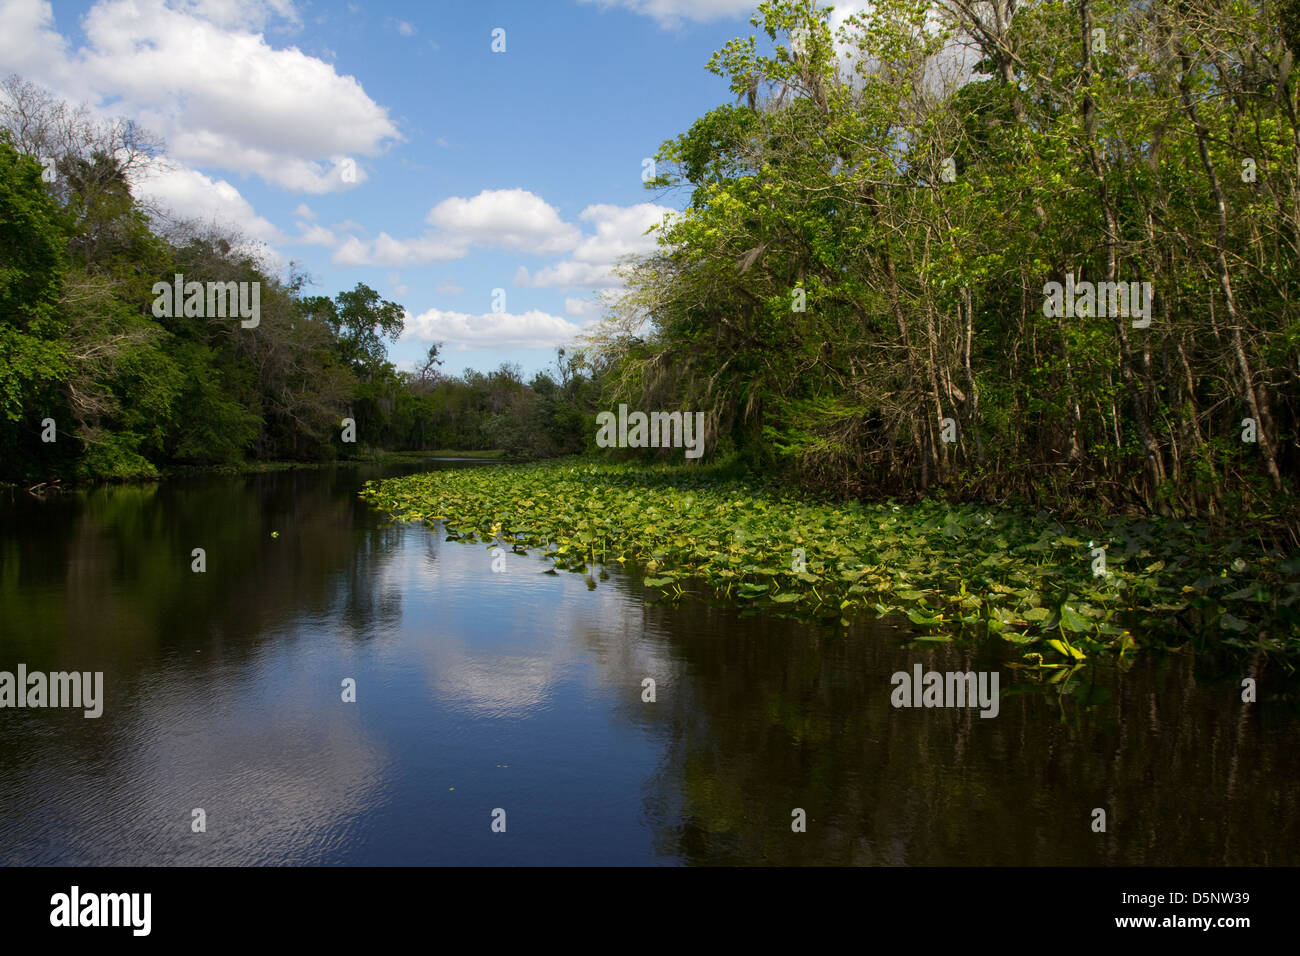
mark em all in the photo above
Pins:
pixel 516 698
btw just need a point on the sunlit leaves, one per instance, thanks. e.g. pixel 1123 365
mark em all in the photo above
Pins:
pixel 1020 577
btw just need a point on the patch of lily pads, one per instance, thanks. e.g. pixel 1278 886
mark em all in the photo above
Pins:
pixel 1065 593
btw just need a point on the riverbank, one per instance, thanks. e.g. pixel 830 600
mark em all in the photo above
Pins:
pixel 366 457
pixel 369 457
pixel 1066 592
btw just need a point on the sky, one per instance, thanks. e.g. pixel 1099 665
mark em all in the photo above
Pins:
pixel 388 143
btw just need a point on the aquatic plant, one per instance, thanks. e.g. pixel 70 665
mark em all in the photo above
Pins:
pixel 950 569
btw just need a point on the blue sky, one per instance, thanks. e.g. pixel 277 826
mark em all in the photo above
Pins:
pixel 475 170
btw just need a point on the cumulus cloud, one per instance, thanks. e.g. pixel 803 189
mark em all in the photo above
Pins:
pixel 620 231
pixel 507 218
pixel 254 14
pixel 187 194
pixel 570 275
pixel 29 43
pixel 494 219
pixel 387 251
pixel 583 308
pixel 845 9
pixel 527 330
pixel 309 235
pixel 202 74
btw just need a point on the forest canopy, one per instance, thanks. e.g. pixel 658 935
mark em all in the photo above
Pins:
pixel 95 383
pixel 857 291
pixel 981 248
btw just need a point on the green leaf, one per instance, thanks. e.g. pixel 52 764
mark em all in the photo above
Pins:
pixel 1072 620
pixel 1231 623
pixel 1066 650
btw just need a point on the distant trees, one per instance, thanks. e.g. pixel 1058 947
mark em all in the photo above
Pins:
pixel 34 357
pixel 130 392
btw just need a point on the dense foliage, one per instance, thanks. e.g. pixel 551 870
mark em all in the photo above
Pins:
pixel 93 384
pixel 1064 592
pixel 917 210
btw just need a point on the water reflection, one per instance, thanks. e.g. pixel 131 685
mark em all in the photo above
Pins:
pixel 523 690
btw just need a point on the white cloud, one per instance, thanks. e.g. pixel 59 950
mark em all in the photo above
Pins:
pixel 571 275
pixel 254 14
pixel 528 330
pixel 387 251
pixel 405 29
pixel 449 288
pixel 620 231
pixel 188 194
pixel 508 218
pixel 845 9
pixel 304 212
pixel 495 218
pixel 202 74
pixel 583 308
pixel 29 44
pixel 309 235
pixel 670 13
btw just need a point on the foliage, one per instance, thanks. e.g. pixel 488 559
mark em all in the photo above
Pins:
pixel 920 209
pixel 133 394
pixel 948 568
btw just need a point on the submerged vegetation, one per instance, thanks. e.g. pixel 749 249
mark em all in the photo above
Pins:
pixel 1064 592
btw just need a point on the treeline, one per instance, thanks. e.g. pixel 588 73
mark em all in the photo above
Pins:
pixel 93 384
pixel 856 291
pixel 549 415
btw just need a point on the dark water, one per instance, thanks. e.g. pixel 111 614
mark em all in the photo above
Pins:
pixel 523 691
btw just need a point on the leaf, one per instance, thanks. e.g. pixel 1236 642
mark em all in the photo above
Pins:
pixel 1066 650
pixel 1072 620
pixel 916 617
pixel 1016 637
